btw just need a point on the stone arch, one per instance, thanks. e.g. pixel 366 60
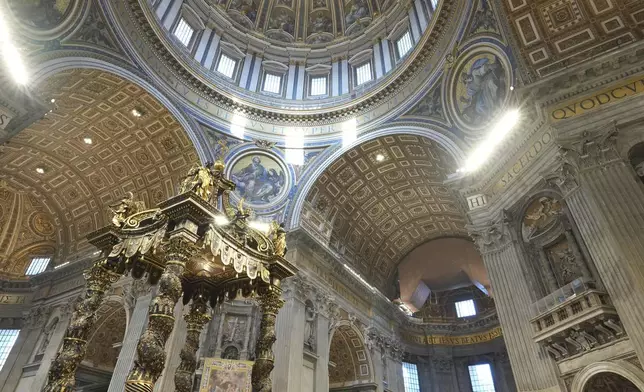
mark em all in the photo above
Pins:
pixel 442 137
pixel 109 331
pixel 350 361
pixel 381 199
pixel 623 369
pixel 231 351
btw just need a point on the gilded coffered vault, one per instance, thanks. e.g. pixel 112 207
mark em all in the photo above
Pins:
pixel 382 199
pixel 337 194
pixel 104 137
pixel 553 35
pixel 28 228
pixel 349 357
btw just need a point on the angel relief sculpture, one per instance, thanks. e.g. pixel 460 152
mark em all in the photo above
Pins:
pixel 541 214
pixel 125 208
pixel 206 180
pixel 278 236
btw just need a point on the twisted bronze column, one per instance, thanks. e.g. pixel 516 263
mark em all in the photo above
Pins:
pixel 150 351
pixel 195 320
pixel 270 303
pixel 62 373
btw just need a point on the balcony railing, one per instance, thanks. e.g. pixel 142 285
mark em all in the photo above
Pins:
pixel 567 292
pixel 575 319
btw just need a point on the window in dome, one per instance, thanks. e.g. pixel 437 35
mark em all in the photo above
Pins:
pixel 37 265
pixel 363 73
pixel 226 66
pixel 404 44
pixel 465 308
pixel 7 340
pixel 318 85
pixel 481 378
pixel 410 377
pixel 272 83
pixel 183 31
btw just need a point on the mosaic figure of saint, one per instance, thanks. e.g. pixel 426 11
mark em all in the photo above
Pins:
pixel 485 89
pixel 359 10
pixel 41 14
pixel 256 183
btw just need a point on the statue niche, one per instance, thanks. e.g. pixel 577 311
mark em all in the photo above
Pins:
pixel 548 235
pixel 310 318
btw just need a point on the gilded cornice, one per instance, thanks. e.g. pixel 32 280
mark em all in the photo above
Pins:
pixel 480 323
pixel 447 15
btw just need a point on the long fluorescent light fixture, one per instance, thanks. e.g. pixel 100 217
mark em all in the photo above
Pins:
pixel 360 278
pixel 294 146
pixel 349 132
pixel 12 58
pixel 483 152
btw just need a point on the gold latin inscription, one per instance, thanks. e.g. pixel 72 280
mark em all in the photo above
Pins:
pixel 629 88
pixel 523 161
pixel 11 299
pixel 451 340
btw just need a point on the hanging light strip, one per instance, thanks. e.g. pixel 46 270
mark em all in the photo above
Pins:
pixel 12 58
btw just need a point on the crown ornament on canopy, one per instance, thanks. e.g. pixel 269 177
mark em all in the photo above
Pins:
pixel 194 245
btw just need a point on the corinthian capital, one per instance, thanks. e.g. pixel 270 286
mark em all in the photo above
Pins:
pixel 37 316
pixel 591 151
pixel 493 236
pixel 565 177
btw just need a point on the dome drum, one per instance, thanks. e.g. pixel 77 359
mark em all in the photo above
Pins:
pixel 234 40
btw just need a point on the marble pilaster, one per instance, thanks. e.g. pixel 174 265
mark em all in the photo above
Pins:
pixel 290 339
pixel 173 346
pixel 443 377
pixel 392 363
pixel 24 347
pixel 424 376
pixel 52 348
pixel 378 361
pixel 327 307
pixel 606 201
pixel 137 321
pixel 504 260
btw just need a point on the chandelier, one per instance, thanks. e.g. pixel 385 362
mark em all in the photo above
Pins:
pixel 196 246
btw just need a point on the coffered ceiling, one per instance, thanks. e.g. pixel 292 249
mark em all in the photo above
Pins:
pixel 382 199
pixel 555 34
pixel 53 169
pixel 348 357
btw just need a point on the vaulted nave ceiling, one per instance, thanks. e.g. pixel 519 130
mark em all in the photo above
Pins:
pixel 63 184
pixel 554 35
pixel 382 199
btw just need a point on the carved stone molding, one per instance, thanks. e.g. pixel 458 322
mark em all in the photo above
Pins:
pixel 37 316
pixel 302 288
pixel 591 151
pixel 494 236
pixel 387 345
pixel 442 365
pixel 132 291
